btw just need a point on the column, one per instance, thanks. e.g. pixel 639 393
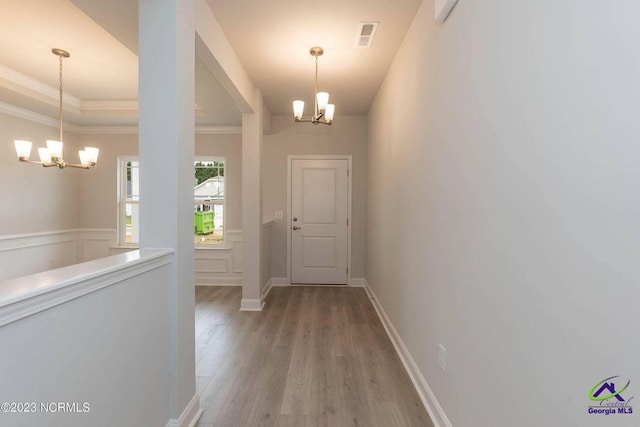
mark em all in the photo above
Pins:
pixel 166 147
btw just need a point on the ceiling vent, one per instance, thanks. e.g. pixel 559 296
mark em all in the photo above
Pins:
pixel 365 34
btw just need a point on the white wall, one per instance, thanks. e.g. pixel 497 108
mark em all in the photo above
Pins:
pixel 34 198
pixel 503 205
pixel 24 254
pixel 347 135
pixel 81 337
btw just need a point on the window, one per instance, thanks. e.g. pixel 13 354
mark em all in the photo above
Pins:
pixel 128 201
pixel 208 195
pixel 208 207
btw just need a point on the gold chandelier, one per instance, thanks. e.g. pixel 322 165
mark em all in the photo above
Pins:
pixel 51 155
pixel 323 112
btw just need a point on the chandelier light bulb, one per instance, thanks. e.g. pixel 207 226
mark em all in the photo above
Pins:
pixel 23 148
pixel 328 115
pixel 55 149
pixel 84 161
pixel 92 155
pixel 45 156
pixel 323 100
pixel 298 109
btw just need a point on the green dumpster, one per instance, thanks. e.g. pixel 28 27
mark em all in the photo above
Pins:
pixel 203 222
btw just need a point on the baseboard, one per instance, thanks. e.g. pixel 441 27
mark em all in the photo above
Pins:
pixel 251 304
pixel 203 280
pixel 267 289
pixel 357 282
pixel 214 283
pixel 280 281
pixel 189 416
pixel 429 400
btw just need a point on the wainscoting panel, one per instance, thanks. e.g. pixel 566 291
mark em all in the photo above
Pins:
pixel 210 265
pixel 223 265
pixel 25 254
pixel 95 243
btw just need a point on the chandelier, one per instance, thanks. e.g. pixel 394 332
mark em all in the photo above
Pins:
pixel 51 155
pixel 323 112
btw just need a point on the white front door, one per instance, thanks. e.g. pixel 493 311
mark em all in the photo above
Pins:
pixel 319 217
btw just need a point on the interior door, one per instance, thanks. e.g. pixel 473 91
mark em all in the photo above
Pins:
pixel 319 221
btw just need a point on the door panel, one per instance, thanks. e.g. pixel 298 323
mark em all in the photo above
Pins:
pixel 319 252
pixel 319 211
pixel 318 196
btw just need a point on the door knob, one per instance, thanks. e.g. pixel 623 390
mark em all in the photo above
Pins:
pixel 296 228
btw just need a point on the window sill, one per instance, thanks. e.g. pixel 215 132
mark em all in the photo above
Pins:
pixel 222 247
pixel 132 247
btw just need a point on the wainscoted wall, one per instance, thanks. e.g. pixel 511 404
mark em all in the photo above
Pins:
pixel 23 254
pixel 220 266
pixel 214 266
pixel 265 282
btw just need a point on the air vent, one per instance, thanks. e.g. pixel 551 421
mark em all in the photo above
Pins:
pixel 365 34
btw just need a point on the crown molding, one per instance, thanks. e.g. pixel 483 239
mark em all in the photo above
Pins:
pixel 107 130
pixel 133 130
pixel 109 105
pixel 23 84
pixel 119 105
pixel 40 119
pixel 219 130
pixel 15 80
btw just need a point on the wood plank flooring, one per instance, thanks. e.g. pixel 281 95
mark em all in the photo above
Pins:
pixel 315 356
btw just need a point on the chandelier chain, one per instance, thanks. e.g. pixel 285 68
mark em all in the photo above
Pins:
pixel 316 97
pixel 60 81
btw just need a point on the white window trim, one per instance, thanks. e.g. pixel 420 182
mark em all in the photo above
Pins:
pixel 122 194
pixel 121 203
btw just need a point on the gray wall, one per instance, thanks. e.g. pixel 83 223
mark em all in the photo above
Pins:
pixel 108 348
pixel 99 189
pixel 503 206
pixel 36 199
pixel 347 135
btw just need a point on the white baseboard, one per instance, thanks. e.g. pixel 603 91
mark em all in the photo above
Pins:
pixel 251 304
pixel 429 400
pixel 280 281
pixel 357 282
pixel 189 416
pixel 222 282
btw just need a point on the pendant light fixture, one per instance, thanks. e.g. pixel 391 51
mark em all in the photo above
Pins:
pixel 51 155
pixel 323 111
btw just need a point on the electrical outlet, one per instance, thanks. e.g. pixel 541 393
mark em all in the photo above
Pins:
pixel 278 215
pixel 442 358
pixel 51 263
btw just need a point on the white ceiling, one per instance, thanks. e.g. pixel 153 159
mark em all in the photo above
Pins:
pixel 271 38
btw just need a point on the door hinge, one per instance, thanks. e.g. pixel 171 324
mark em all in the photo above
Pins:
pixel 347 221
pixel 347 271
pixel 347 172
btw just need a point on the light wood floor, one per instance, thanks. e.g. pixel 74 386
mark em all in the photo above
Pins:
pixel 313 357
